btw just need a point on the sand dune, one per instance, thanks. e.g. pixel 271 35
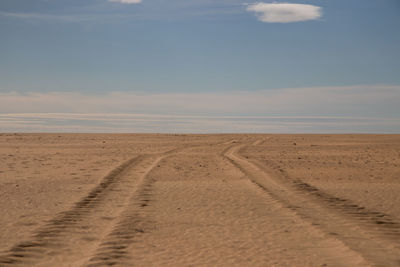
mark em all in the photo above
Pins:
pixel 199 200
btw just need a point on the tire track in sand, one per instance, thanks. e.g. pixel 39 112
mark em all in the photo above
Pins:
pixel 116 246
pixel 115 249
pixel 363 231
pixel 212 217
pixel 71 236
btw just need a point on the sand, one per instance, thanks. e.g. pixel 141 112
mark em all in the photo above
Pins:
pixel 199 200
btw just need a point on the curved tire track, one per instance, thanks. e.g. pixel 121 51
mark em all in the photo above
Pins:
pixel 373 235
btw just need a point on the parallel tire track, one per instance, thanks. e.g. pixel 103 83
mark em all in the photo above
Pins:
pixel 115 248
pixel 94 227
pixel 382 222
pixel 372 234
pixel 86 220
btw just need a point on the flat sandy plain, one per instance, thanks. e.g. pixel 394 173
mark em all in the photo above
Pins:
pixel 199 200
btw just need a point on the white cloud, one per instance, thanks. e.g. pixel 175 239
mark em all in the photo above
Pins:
pixel 284 12
pixel 126 1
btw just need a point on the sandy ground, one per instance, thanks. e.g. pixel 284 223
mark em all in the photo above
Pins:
pixel 199 200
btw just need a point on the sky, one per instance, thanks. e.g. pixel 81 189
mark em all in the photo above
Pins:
pixel 200 66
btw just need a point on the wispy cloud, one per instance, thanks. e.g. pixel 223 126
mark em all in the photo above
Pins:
pixel 126 1
pixel 284 12
pixel 40 16
pixel 155 10
pixel 76 18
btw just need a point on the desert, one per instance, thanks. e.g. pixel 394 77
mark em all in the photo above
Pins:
pixel 199 200
pixel 199 133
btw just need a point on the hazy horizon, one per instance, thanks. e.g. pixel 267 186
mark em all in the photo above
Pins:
pixel 200 66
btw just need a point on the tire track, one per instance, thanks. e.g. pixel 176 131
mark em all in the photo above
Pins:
pixel 210 221
pixel 64 236
pixel 373 235
pixel 379 221
pixel 72 236
pixel 115 248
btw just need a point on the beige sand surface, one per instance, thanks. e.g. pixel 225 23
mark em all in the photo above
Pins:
pixel 199 200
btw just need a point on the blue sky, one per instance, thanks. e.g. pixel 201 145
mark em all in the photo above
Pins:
pixel 344 55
